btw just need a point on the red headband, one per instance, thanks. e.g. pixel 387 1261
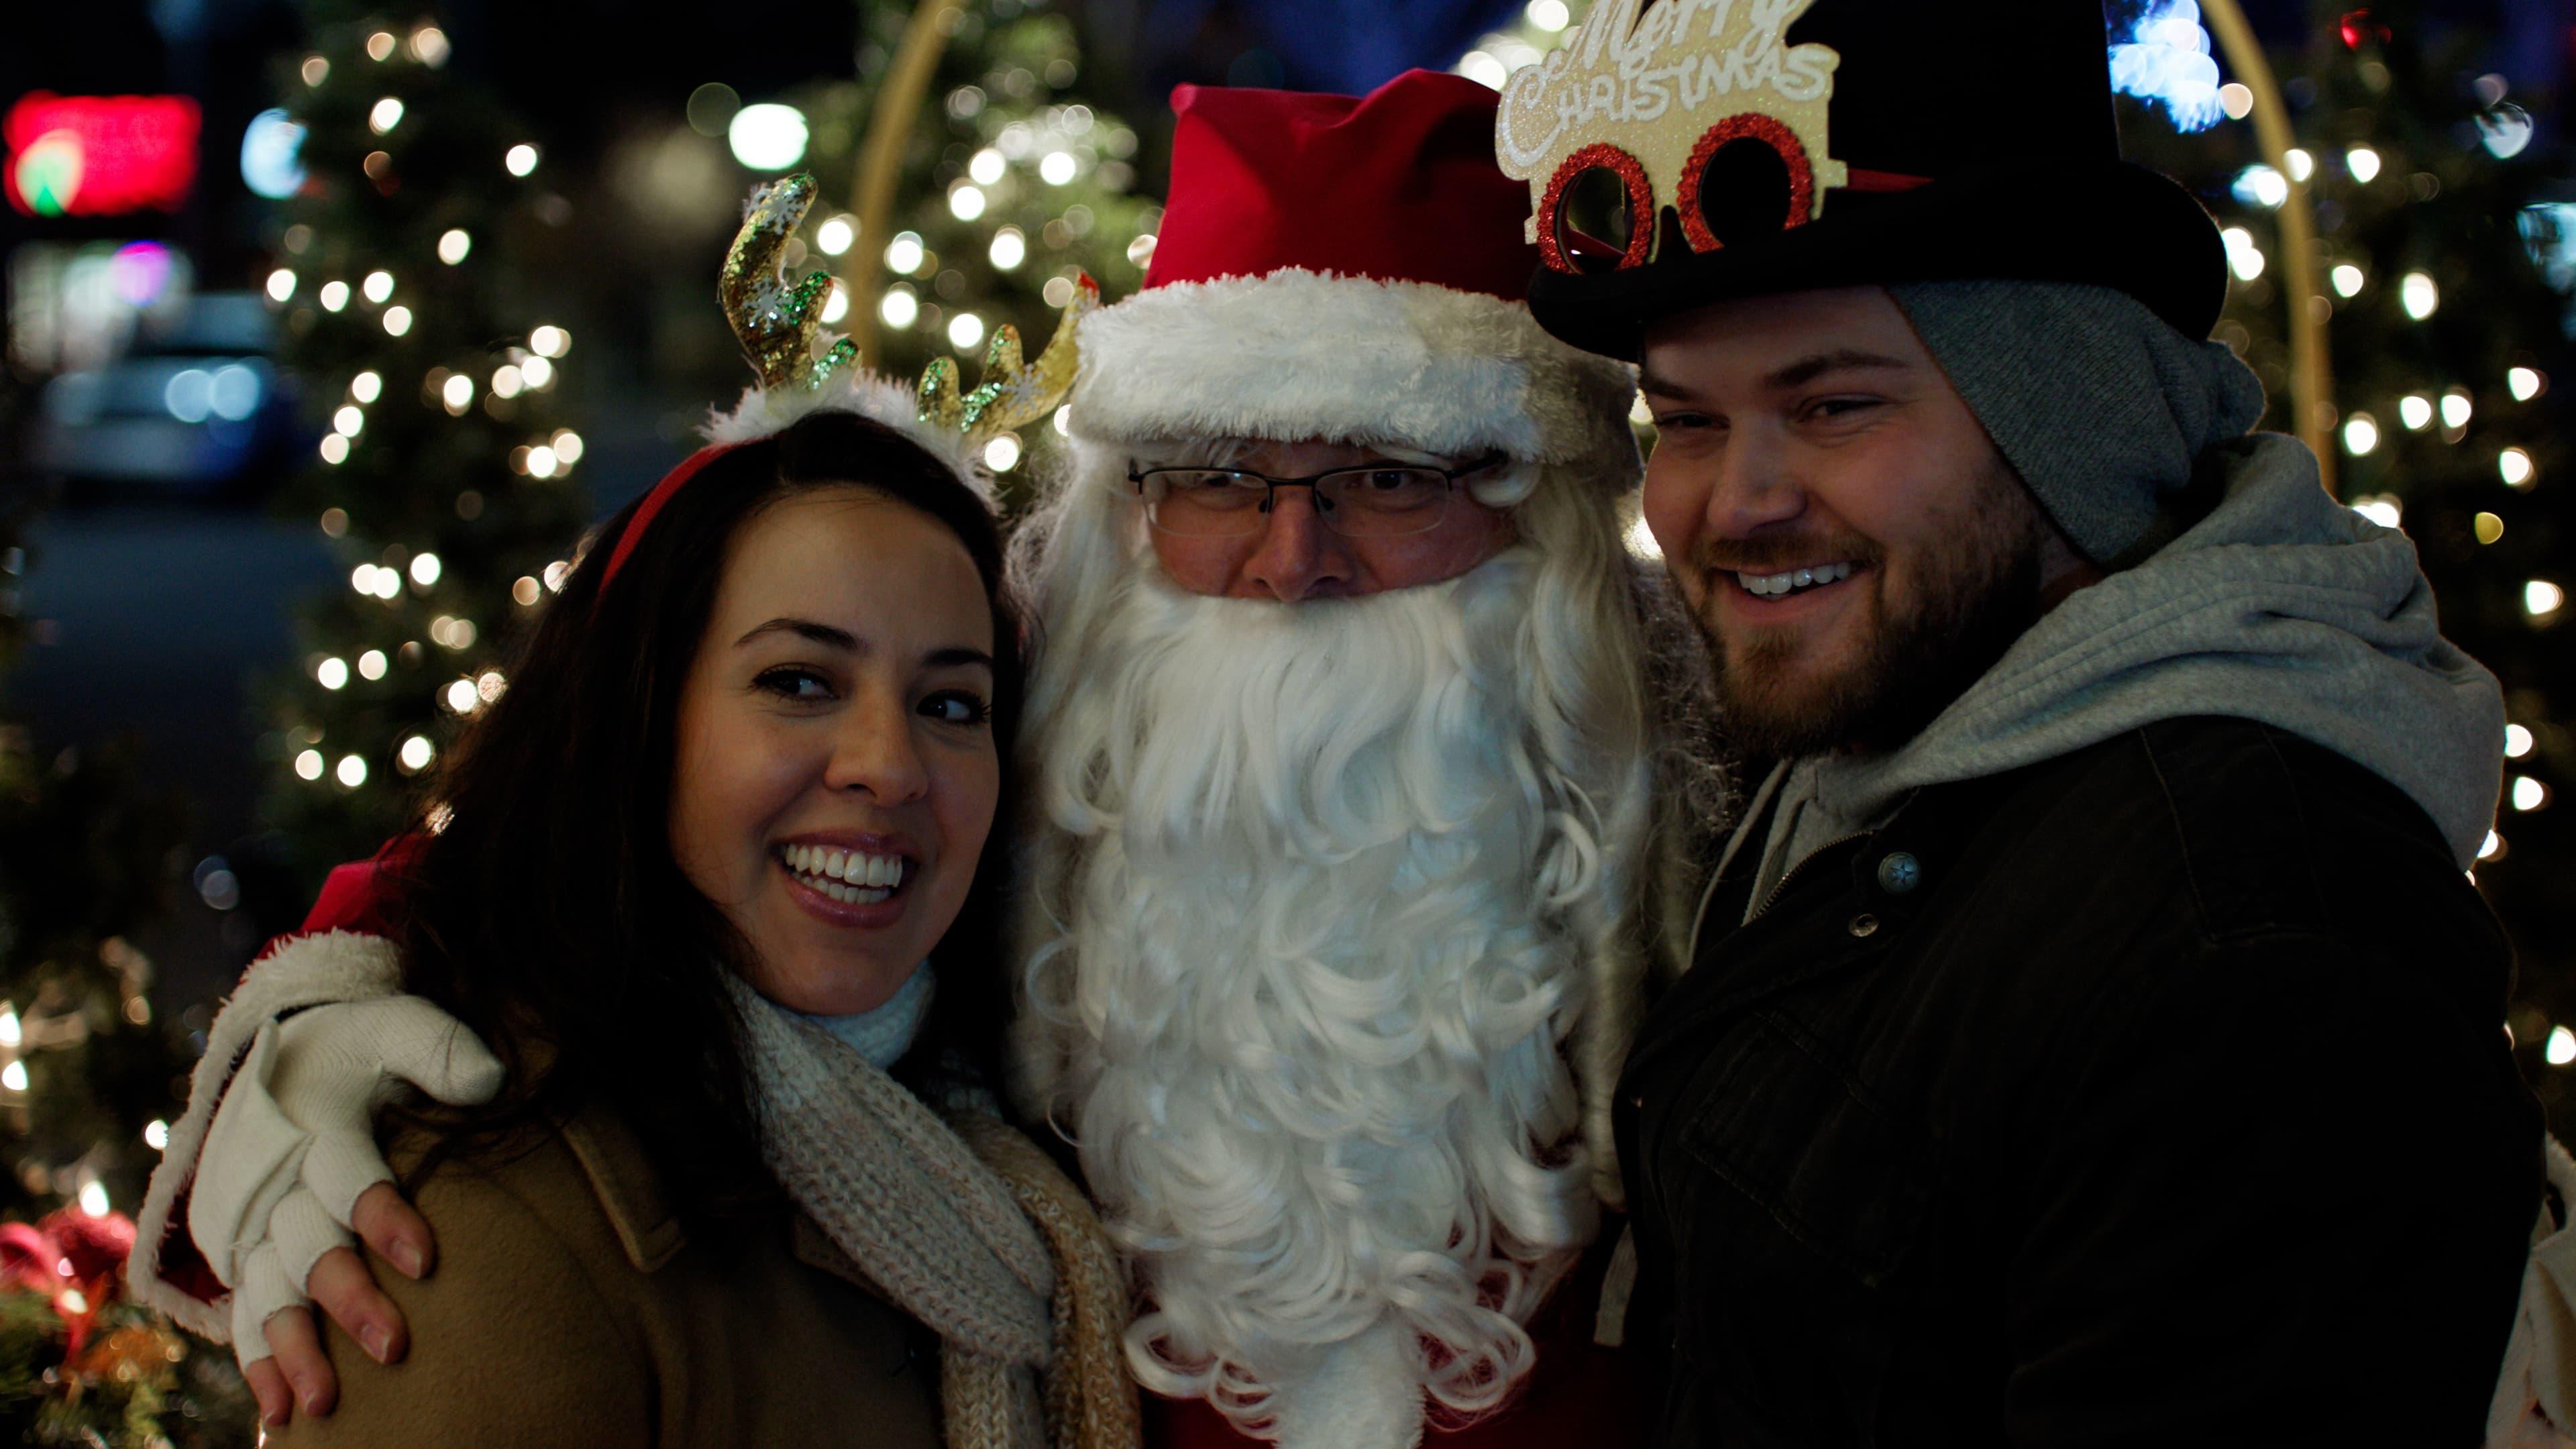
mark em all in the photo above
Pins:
pixel 653 503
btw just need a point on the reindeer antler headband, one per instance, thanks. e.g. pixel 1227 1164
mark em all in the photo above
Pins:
pixel 804 369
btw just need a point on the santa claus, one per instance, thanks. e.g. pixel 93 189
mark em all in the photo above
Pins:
pixel 1357 822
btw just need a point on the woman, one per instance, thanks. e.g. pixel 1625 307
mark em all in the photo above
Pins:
pixel 683 880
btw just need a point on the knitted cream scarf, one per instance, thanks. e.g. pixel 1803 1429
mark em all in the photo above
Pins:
pixel 965 1225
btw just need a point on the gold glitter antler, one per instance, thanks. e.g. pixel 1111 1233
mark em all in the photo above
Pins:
pixel 777 320
pixel 1012 395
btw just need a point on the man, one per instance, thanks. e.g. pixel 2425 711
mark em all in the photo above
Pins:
pixel 1345 781
pixel 2091 1037
pixel 1354 824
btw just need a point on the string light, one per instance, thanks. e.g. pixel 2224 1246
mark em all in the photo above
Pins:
pixel 834 237
pixel 2456 408
pixel 2515 465
pixel 2529 794
pixel 2417 294
pixel 335 450
pixel 281 285
pixel 987 167
pixel 380 45
pixel 904 254
pixel 898 307
pixel 2362 162
pixel 1010 248
pixel 1002 454
pixel 460 697
pixel 2562 1042
pixel 537 373
pixel 308 765
pixel 965 329
pixel 2524 383
pixel 2487 527
pixel 1057 167
pixel 2541 598
pixel 416 754
pixel 454 245
pixel 386 115
pixel 520 160
pixel 334 296
pixel 2416 411
pixel 2243 257
pixel 549 341
pixel 333 673
pixel 457 393
pixel 367 386
pixel 2347 280
pixel 397 321
pixel 425 569
pixel 2517 741
pixel 372 664
pixel 2360 434
pixel 351 772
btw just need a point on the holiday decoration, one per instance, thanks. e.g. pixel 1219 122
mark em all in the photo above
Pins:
pixel 2397 287
pixel 81 1366
pixel 1651 96
pixel 446 478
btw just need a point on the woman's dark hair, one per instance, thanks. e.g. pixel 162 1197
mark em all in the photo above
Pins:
pixel 546 910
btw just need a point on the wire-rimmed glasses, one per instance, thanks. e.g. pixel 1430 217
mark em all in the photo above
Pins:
pixel 1372 500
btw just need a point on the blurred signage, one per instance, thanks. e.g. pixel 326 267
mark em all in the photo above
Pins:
pixel 98 155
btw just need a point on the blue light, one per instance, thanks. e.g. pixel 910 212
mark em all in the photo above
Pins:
pixel 235 395
pixel 190 395
pixel 2166 59
pixel 268 155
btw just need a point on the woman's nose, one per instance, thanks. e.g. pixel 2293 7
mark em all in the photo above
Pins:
pixel 875 752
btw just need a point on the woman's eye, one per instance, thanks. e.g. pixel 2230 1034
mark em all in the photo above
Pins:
pixel 796 684
pixel 956 706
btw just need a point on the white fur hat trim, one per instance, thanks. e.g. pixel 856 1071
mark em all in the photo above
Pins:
pixel 1295 354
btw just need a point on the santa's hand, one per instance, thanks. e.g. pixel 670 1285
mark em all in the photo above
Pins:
pixel 290 1153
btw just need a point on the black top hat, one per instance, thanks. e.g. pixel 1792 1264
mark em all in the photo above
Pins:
pixel 1686 157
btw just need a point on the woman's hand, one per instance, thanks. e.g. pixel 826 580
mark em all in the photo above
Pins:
pixel 297 1373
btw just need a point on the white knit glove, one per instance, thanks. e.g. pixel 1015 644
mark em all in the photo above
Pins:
pixel 294 1142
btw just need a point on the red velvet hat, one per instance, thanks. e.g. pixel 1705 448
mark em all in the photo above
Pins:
pixel 1348 268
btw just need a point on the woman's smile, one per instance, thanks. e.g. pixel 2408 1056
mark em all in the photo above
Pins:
pixel 849 879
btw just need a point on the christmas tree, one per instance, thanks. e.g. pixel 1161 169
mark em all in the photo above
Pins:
pixel 998 186
pixel 446 480
pixel 2441 261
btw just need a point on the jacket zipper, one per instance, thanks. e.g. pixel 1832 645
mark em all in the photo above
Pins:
pixel 1794 871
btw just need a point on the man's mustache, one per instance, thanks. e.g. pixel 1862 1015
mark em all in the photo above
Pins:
pixel 1771 555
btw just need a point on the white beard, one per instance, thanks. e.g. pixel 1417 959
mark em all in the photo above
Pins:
pixel 1302 954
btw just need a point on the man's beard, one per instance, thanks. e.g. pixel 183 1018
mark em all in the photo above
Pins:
pixel 1975 594
pixel 1315 879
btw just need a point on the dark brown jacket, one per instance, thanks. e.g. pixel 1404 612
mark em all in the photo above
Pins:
pixel 568 1308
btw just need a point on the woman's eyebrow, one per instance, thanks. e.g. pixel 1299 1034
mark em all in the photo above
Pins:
pixel 819 633
pixel 957 654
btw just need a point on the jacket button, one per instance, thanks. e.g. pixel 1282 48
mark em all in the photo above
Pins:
pixel 1864 924
pixel 1899 872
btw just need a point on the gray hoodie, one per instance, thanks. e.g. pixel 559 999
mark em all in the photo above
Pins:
pixel 2280 606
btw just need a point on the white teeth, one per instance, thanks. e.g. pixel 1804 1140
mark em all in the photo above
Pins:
pixel 1773 585
pixel 845 875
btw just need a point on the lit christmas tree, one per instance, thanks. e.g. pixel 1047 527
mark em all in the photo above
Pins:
pixel 998 186
pixel 446 477
pixel 2441 264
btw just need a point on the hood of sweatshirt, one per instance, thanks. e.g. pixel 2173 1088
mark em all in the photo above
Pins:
pixel 2280 606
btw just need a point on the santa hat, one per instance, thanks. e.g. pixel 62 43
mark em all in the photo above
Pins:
pixel 1346 268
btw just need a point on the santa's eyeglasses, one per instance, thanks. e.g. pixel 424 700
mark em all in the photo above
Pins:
pixel 1374 500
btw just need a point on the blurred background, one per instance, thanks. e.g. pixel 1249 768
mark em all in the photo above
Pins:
pixel 330 328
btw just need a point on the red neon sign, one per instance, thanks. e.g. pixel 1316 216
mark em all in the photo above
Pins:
pixel 98 155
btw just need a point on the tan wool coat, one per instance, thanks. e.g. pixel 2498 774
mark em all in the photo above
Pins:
pixel 568 1308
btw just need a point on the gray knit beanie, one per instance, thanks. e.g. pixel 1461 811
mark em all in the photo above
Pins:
pixel 2098 403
